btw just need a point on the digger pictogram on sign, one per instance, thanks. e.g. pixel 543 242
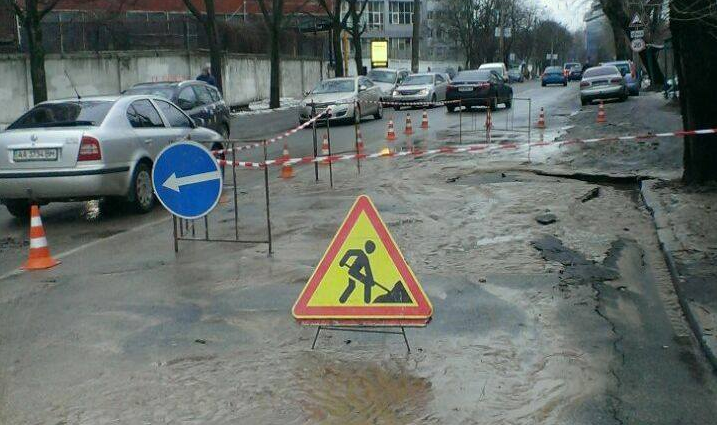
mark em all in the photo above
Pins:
pixel 363 278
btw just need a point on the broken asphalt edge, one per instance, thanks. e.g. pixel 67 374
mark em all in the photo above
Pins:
pixel 664 235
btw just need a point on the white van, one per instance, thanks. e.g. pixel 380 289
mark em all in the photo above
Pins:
pixel 498 67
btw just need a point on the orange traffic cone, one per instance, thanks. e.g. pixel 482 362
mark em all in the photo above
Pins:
pixel 359 142
pixel 424 121
pixel 541 119
pixel 409 126
pixel 325 150
pixel 601 117
pixel 287 171
pixel 391 134
pixel 40 257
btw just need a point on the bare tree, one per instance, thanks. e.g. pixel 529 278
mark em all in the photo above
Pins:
pixel 339 21
pixel 416 38
pixel 694 33
pixel 356 29
pixel 30 13
pixel 209 22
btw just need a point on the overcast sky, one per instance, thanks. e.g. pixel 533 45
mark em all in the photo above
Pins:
pixel 569 12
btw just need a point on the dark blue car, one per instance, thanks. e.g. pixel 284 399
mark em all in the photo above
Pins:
pixel 554 75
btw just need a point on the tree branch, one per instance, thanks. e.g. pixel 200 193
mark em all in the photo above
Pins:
pixel 51 5
pixel 193 9
pixel 16 8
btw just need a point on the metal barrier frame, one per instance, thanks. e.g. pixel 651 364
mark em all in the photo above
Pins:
pixel 185 230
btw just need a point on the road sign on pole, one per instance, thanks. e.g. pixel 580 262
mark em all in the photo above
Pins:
pixel 636 20
pixel 363 278
pixel 637 34
pixel 638 45
pixel 187 180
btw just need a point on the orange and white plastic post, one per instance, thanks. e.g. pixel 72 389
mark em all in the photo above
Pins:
pixel 409 125
pixel 601 117
pixel 325 150
pixel 391 133
pixel 541 119
pixel 39 257
pixel 488 125
pixel 287 171
pixel 424 121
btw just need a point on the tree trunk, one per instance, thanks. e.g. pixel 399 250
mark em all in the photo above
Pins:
pixel 696 58
pixel 37 59
pixel 358 54
pixel 416 38
pixel 215 48
pixel 336 48
pixel 648 57
pixel 275 79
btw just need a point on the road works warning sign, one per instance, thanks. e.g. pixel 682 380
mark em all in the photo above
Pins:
pixel 363 278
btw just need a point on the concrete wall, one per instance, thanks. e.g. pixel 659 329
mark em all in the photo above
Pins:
pixel 246 77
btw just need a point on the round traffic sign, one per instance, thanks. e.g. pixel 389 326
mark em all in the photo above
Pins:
pixel 638 45
pixel 187 180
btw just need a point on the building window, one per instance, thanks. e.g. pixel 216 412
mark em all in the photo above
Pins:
pixel 399 48
pixel 374 15
pixel 401 12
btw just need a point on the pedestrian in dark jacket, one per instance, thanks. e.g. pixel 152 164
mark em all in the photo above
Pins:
pixel 207 76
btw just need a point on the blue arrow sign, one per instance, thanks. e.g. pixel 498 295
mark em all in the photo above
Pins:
pixel 187 180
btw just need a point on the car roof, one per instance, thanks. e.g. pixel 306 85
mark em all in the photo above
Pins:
pixel 170 83
pixel 340 79
pixel 492 64
pixel 422 74
pixel 387 69
pixel 98 98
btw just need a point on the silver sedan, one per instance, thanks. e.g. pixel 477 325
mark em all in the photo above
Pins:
pixel 602 82
pixel 350 98
pixel 90 148
pixel 420 88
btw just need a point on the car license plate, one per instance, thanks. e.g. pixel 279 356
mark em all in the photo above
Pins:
pixel 21 155
pixel 465 88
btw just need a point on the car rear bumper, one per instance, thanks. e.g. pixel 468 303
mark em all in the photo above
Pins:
pixel 602 92
pixel 468 101
pixel 66 184
pixel 554 80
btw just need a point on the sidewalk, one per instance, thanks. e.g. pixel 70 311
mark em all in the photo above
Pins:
pixel 685 219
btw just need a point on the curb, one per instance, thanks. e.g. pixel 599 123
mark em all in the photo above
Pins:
pixel 663 235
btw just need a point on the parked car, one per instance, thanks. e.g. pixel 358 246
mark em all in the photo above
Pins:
pixel 568 67
pixel 515 75
pixel 428 87
pixel 387 79
pixel 90 148
pixel 449 70
pixel 341 94
pixel 553 75
pixel 479 88
pixel 629 72
pixel 498 67
pixel 575 73
pixel 201 101
pixel 602 82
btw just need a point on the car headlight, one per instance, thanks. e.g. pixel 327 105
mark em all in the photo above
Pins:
pixel 395 93
pixel 423 92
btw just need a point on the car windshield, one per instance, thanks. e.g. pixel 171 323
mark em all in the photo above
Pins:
pixel 159 91
pixel 571 65
pixel 334 86
pixel 623 67
pixel 417 80
pixel 382 76
pixel 599 72
pixel 470 76
pixel 553 70
pixel 64 114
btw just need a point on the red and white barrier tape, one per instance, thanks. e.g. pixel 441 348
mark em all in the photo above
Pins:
pixel 277 138
pixel 453 149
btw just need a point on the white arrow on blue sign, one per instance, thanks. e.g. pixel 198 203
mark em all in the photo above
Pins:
pixel 187 180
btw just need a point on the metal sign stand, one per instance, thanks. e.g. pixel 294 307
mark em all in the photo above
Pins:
pixel 184 230
pixel 365 329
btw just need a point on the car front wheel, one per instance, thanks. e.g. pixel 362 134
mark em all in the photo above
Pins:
pixel 379 112
pixel 450 108
pixel 141 196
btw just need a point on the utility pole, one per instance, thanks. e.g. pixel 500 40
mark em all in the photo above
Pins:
pixel 416 38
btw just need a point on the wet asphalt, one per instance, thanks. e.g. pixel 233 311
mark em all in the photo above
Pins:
pixel 140 309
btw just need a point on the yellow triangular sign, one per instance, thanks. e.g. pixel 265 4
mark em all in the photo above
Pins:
pixel 363 278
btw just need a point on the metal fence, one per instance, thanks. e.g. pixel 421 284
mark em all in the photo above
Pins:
pixel 67 32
